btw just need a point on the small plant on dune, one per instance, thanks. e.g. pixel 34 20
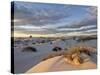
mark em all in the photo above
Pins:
pixel 73 55
pixel 29 49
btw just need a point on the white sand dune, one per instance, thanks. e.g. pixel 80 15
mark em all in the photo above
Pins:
pixel 23 61
pixel 58 64
pixel 45 65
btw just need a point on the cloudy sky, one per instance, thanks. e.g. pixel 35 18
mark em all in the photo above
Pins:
pixel 40 19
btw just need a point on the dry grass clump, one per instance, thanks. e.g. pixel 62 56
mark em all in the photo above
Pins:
pixel 29 49
pixel 73 55
pixel 73 59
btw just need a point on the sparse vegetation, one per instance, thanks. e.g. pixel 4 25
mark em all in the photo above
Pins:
pixel 73 55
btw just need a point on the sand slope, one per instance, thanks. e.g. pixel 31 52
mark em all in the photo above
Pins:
pixel 58 64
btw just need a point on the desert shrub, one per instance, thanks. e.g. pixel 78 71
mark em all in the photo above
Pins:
pixel 29 49
pixel 73 55
pixel 57 49
pixel 74 59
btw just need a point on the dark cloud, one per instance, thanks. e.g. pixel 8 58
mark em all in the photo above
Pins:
pixel 90 18
pixel 92 10
pixel 39 14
